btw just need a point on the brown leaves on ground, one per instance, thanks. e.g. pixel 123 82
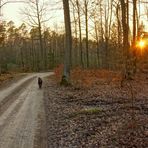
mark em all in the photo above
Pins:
pixel 86 78
pixel 5 77
pixel 101 115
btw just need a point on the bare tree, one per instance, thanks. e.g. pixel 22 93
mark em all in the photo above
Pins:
pixel 2 3
pixel 146 11
pixel 80 32
pixel 35 13
pixel 68 45
pixel 134 20
pixel 86 2
pixel 125 27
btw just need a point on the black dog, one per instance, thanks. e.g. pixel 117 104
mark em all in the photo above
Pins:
pixel 40 82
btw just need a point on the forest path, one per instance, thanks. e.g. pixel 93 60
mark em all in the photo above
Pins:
pixel 22 114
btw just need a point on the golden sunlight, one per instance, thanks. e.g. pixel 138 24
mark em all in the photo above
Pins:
pixel 141 44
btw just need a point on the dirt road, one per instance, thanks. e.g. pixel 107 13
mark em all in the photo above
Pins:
pixel 22 114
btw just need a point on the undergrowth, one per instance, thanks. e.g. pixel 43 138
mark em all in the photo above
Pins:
pixel 86 78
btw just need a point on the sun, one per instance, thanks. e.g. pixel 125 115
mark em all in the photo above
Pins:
pixel 141 44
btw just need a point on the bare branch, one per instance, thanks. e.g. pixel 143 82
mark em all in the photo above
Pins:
pixel 12 2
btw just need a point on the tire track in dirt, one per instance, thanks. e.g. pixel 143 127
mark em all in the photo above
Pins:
pixel 40 140
pixel 22 116
pixel 12 106
pixel 7 101
pixel 17 127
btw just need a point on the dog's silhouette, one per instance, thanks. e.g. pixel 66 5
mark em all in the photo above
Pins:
pixel 40 82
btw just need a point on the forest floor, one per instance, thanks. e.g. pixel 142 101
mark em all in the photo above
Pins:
pixel 104 115
pixel 10 78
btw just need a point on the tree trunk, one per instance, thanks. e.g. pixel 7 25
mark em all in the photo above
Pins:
pixel 134 21
pixel 40 36
pixel 80 34
pixel 86 25
pixel 68 45
pixel 97 42
pixel 125 26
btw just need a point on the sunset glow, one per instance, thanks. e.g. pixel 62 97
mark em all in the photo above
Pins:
pixel 141 44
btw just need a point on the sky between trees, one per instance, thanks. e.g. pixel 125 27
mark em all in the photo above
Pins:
pixel 12 11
